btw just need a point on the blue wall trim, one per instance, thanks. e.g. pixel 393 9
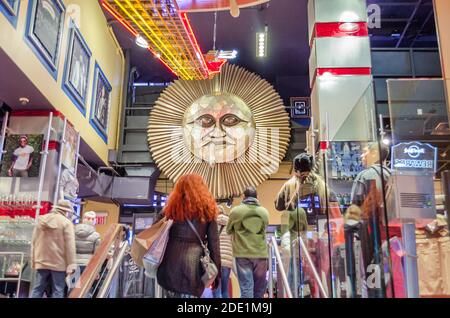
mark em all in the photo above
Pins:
pixel 10 17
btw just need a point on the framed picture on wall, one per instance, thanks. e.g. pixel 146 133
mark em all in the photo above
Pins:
pixel 77 67
pixel 101 98
pixel 23 156
pixel 45 26
pixel 70 148
pixel 10 8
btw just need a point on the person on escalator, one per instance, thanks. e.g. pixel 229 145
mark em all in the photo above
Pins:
pixel 374 162
pixel 194 212
pixel 247 225
pixel 87 239
pixel 226 255
pixel 53 250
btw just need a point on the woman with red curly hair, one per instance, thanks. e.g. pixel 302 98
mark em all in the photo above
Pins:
pixel 180 271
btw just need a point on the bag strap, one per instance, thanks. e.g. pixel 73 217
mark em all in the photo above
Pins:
pixel 205 248
pixel 221 229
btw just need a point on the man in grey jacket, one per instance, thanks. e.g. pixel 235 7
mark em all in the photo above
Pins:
pixel 87 239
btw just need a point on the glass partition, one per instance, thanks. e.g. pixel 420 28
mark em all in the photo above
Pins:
pixel 420 141
pixel 369 205
pixel 337 233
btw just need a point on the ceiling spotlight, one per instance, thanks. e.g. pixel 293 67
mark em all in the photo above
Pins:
pixel 234 9
pixel 24 101
pixel 227 55
pixel 140 41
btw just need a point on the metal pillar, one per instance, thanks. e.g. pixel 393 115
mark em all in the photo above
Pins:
pixel 43 166
pixel 411 272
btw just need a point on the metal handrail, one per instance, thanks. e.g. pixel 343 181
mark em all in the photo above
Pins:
pixel 274 245
pixel 311 263
pixel 114 235
pixel 104 289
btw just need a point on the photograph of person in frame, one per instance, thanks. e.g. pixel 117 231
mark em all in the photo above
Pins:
pixel 22 158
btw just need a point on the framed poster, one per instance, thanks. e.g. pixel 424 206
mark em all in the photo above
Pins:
pixel 23 156
pixel 101 98
pixel 300 107
pixel 10 8
pixel 45 24
pixel 70 148
pixel 76 70
pixel 346 160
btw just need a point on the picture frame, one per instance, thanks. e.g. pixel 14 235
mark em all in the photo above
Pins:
pixel 101 101
pixel 10 9
pixel 44 30
pixel 77 68
pixel 23 156
pixel 300 107
pixel 70 148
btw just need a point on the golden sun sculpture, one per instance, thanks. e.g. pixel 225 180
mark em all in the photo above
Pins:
pixel 232 129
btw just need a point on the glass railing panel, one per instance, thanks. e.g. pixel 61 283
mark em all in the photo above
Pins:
pixel 352 230
pixel 420 140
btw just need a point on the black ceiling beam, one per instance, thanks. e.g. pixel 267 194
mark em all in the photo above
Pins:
pixel 423 26
pixel 411 18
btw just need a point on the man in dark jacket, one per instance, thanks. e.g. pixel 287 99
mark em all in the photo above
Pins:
pixel 247 225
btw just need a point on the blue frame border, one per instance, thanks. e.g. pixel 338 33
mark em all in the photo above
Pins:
pixel 99 75
pixel 12 17
pixel 34 43
pixel 67 87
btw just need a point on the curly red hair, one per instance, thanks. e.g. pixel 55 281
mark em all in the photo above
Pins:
pixel 191 199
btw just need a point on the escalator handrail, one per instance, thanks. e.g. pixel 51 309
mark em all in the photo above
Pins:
pixel 86 280
pixel 280 267
pixel 305 251
pixel 108 280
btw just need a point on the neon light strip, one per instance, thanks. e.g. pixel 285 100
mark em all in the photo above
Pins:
pixel 163 52
pixel 186 53
pixel 148 36
pixel 193 40
pixel 169 50
pixel 118 18
pixel 163 62
pixel 133 32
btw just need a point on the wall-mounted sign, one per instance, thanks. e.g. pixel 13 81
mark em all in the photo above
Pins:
pixel 101 218
pixel 414 156
pixel 300 107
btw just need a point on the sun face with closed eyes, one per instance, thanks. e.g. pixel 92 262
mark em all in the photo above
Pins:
pixel 218 128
